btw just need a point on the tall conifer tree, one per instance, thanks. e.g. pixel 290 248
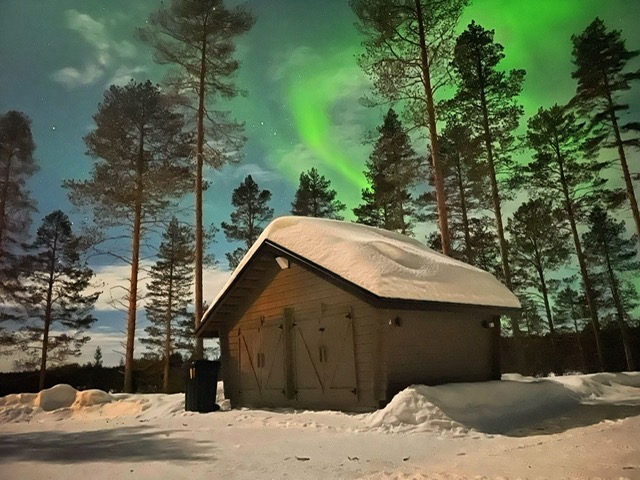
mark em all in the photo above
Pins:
pixel 465 185
pixel 408 48
pixel 603 74
pixel 561 171
pixel 571 313
pixel 315 197
pixel 392 171
pixel 197 37
pixel 141 155
pixel 539 245
pixel 169 294
pixel 611 259
pixel 57 307
pixel 17 165
pixel 251 212
pixel 488 98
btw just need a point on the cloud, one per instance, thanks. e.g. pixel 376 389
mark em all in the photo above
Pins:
pixel 107 53
pixel 72 77
pixel 125 49
pixel 113 282
pixel 296 157
pixel 124 74
pixel 91 30
pixel 289 61
pixel 237 173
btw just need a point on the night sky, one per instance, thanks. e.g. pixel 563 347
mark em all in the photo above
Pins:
pixel 298 66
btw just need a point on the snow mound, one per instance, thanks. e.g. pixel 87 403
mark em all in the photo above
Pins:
pixel 63 401
pixel 412 408
pixel 610 388
pixel 88 398
pixel 58 396
pixel 488 407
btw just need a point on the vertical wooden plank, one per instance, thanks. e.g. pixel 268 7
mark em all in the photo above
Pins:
pixel 380 359
pixel 228 373
pixel 289 355
pixel 496 373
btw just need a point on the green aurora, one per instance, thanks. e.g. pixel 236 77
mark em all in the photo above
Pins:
pixel 536 36
pixel 299 68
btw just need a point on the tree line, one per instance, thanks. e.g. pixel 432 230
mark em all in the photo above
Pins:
pixel 150 145
pixel 411 50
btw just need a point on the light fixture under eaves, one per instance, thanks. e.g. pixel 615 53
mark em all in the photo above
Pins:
pixel 283 263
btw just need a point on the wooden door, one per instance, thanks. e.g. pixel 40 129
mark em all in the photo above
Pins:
pixel 250 378
pixel 337 355
pixel 308 377
pixel 271 355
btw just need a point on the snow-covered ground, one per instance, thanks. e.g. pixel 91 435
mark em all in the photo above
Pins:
pixel 585 426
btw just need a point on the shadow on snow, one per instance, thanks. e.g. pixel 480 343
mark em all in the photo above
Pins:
pixel 136 444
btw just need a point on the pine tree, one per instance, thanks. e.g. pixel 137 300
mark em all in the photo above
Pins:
pixel 97 357
pixel 465 185
pixel 392 172
pixel 197 38
pixel 169 293
pixel 487 97
pixel 601 59
pixel 611 256
pixel 571 313
pixel 407 53
pixel 56 281
pixel 141 165
pixel 540 245
pixel 251 212
pixel 561 171
pixel 17 165
pixel 315 197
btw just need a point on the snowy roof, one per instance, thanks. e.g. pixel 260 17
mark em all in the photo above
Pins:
pixel 387 264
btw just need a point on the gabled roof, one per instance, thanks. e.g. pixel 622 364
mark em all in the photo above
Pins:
pixel 385 264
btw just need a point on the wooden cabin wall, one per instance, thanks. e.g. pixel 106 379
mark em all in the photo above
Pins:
pixel 430 347
pixel 329 323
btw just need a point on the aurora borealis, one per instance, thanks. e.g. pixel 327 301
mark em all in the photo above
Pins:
pixel 304 87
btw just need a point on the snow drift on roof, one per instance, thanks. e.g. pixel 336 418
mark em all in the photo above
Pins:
pixel 387 264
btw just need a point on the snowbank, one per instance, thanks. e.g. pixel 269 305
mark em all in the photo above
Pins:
pixel 462 409
pixel 491 407
pixel 63 401
pixel 413 409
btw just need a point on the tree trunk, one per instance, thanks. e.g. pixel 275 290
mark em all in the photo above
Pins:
pixel 497 208
pixel 593 312
pixel 3 203
pixel 465 215
pixel 615 292
pixel 199 240
pixel 47 314
pixel 438 178
pixel 623 162
pixel 557 364
pixel 583 357
pixel 135 265
pixel 167 340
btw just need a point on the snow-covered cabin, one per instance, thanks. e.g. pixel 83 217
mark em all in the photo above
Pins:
pixel 327 314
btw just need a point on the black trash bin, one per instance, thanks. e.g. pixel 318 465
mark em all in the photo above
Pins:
pixel 202 383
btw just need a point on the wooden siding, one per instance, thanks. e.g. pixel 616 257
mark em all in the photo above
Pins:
pixel 422 347
pixel 328 323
